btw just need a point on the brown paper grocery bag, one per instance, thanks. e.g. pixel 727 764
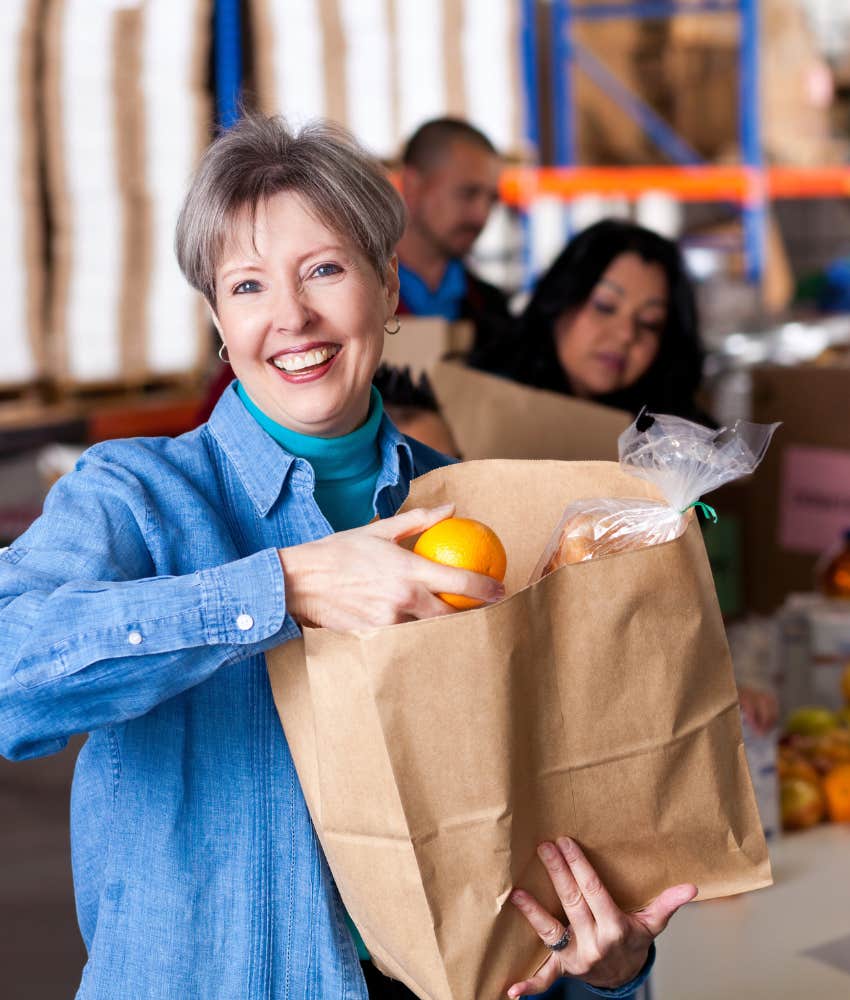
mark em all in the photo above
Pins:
pixel 492 417
pixel 598 702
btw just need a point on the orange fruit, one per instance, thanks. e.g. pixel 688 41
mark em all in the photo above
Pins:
pixel 467 544
pixel 836 788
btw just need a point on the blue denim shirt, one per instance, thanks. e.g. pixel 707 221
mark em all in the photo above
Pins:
pixel 137 609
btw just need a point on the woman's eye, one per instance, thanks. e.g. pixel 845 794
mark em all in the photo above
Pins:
pixel 604 307
pixel 246 286
pixel 653 329
pixel 326 270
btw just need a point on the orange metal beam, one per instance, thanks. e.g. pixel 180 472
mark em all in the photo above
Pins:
pixel 522 185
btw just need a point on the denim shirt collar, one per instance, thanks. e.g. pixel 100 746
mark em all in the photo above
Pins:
pixel 264 467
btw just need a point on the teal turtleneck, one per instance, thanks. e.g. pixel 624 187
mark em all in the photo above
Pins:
pixel 346 467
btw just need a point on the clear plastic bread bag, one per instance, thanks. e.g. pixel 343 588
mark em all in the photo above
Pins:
pixel 684 460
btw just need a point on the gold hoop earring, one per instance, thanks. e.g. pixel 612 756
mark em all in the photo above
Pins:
pixel 223 356
pixel 392 333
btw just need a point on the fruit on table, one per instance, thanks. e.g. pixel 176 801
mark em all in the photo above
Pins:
pixel 814 769
pixel 811 720
pixel 836 789
pixel 792 764
pixel 467 544
pixel 801 804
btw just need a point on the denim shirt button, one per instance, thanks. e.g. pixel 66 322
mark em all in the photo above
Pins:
pixel 244 622
pixel 134 637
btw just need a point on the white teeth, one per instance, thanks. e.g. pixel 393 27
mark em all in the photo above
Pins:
pixel 298 362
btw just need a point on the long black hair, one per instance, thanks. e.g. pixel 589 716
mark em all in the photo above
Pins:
pixel 669 384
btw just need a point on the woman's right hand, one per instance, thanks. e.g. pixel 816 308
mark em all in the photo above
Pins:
pixel 363 579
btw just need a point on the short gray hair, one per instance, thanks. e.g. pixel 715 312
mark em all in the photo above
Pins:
pixel 259 157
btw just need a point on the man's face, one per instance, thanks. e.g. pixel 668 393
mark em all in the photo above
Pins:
pixel 449 203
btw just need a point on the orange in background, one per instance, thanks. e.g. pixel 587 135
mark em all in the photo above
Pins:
pixel 836 788
pixel 466 544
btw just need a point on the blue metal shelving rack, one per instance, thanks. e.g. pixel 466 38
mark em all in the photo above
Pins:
pixel 567 54
pixel 227 44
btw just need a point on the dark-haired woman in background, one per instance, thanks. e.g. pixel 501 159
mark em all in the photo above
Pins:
pixel 614 321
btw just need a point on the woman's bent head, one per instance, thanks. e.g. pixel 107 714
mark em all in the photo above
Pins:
pixel 290 238
pixel 614 319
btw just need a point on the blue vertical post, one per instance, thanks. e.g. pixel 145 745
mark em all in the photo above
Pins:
pixel 228 60
pixel 562 89
pixel 532 124
pixel 754 209
pixel 529 75
pixel 562 83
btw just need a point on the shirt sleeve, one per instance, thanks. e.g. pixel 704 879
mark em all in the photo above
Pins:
pixel 91 636
pixel 627 989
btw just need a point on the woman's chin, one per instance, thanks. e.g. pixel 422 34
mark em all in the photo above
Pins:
pixel 597 388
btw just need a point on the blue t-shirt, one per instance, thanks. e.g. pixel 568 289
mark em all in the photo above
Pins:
pixel 446 300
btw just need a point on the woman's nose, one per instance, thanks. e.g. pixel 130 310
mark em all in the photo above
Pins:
pixel 291 311
pixel 622 329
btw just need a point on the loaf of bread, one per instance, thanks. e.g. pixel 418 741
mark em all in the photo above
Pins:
pixel 591 529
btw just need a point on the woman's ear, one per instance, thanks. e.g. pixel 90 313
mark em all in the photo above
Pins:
pixel 391 284
pixel 216 321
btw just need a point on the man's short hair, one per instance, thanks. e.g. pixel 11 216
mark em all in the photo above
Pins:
pixel 431 140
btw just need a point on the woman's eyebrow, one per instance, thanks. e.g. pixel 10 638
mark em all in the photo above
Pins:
pixel 238 268
pixel 322 248
pixel 662 303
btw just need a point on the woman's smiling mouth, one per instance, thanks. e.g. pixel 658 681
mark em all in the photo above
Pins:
pixel 308 360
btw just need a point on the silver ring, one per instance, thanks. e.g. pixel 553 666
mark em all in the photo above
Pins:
pixel 562 941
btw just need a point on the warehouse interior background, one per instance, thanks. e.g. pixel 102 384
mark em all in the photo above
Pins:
pixel 724 125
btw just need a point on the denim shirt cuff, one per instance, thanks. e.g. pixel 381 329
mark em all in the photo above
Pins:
pixel 245 601
pixel 627 989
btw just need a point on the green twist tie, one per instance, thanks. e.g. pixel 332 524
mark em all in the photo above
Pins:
pixel 707 510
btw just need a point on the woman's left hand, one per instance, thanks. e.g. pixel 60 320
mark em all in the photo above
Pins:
pixel 607 947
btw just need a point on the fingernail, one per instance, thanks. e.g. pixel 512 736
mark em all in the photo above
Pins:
pixel 546 851
pixel 565 843
pixel 443 507
pixel 516 897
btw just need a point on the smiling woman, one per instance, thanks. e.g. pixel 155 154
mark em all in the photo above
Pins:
pixel 302 315
pixel 138 608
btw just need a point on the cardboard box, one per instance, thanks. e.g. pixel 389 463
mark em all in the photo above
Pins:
pixel 799 500
pixel 492 417
pixel 702 66
pixel 423 341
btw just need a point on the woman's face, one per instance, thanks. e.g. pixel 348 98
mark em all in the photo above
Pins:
pixel 611 340
pixel 302 313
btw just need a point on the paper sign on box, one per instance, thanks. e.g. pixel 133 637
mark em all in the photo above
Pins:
pixel 815 498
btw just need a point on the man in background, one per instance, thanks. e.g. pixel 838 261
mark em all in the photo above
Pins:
pixel 449 182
